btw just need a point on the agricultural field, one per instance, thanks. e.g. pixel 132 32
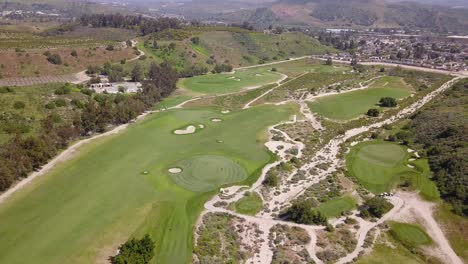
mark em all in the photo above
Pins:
pixel 128 174
pixel 379 166
pixel 229 82
pixel 353 104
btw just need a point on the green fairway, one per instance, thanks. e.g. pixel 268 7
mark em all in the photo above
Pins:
pixel 207 172
pixel 90 204
pixel 335 207
pixel 250 204
pixel 229 82
pixel 412 235
pixel 353 104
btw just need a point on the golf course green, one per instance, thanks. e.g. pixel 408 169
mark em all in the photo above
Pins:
pixel 221 83
pixel 353 104
pixel 380 165
pixel 412 235
pixel 119 187
pixel 335 207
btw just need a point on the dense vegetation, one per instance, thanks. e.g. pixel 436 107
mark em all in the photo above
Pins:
pixel 302 212
pixel 143 24
pixel 135 251
pixel 376 207
pixel 22 155
pixel 441 130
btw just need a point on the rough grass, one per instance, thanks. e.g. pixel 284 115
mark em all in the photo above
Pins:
pixel 250 204
pixel 455 228
pixel 353 104
pixel 89 205
pixel 335 207
pixel 409 234
pixel 229 82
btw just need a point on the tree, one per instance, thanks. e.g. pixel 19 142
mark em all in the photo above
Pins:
pixel 195 40
pixel 302 213
pixel 378 206
pixel 329 62
pixel 137 73
pixel 388 102
pixel 135 251
pixel 373 112
pixel 271 179
pixel 54 59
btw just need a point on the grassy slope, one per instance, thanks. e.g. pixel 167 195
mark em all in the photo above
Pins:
pixel 378 166
pixel 100 197
pixel 353 104
pixel 455 228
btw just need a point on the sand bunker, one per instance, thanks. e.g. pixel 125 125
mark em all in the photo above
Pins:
pixel 354 143
pixel 216 120
pixel 410 150
pixel 188 130
pixel 225 112
pixel 201 126
pixel 410 166
pixel 417 155
pixel 175 170
pixel 219 141
pixel 411 159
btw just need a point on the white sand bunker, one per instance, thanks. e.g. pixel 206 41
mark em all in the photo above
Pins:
pixel 201 126
pixel 225 112
pixel 410 150
pixel 410 166
pixel 258 74
pixel 354 143
pixel 188 130
pixel 175 170
pixel 411 159
pixel 219 141
pixel 216 120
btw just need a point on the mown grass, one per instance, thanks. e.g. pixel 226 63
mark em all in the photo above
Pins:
pixel 229 82
pixel 353 104
pixel 88 205
pixel 409 234
pixel 335 207
pixel 380 165
pixel 250 204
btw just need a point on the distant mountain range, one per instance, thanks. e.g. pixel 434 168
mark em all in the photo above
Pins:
pixel 334 13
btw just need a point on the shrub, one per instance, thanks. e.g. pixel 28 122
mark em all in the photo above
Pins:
pixel 378 206
pixel 54 59
pixel 110 47
pixel 74 53
pixel 222 68
pixel 373 112
pixel 388 102
pixel 63 90
pixel 19 105
pixel 195 40
pixel 135 251
pixel 60 102
pixel 6 89
pixel 271 180
pixel 302 213
pixel 50 105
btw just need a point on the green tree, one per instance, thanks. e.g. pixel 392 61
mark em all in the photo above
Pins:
pixel 137 73
pixel 378 206
pixel 373 112
pixel 135 251
pixel 388 102
pixel 302 213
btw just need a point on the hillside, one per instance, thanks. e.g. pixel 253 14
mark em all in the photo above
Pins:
pixel 356 14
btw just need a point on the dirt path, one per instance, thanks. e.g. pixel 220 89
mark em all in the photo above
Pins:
pixel 424 210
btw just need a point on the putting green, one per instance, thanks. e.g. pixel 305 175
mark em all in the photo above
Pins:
pixel 410 234
pixel 207 172
pixel 380 165
pixel 87 206
pixel 353 104
pixel 229 82
pixel 335 207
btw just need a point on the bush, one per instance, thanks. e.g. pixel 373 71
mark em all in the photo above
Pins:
pixel 54 59
pixel 74 53
pixel 378 206
pixel 110 47
pixel 19 105
pixel 50 105
pixel 302 213
pixel 271 180
pixel 388 102
pixel 222 68
pixel 373 112
pixel 135 251
pixel 63 90
pixel 60 102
